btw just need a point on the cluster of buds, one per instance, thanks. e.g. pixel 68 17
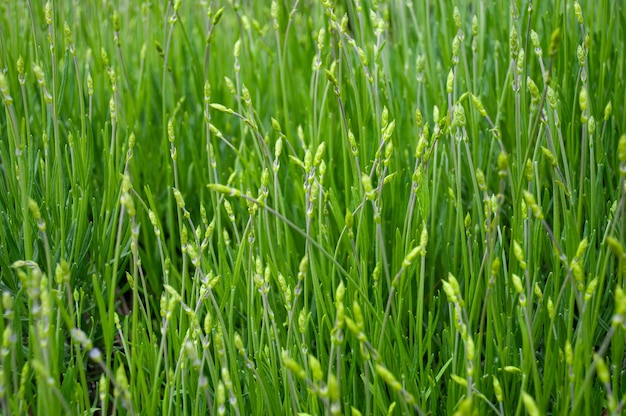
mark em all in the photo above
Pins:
pixel 262 277
pixel 328 391
pixel 340 315
pixel 452 290
pixel 357 328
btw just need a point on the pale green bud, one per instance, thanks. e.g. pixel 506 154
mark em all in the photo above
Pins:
pixel 450 82
pixel 517 283
pixel 578 12
pixel 456 14
pixel 607 111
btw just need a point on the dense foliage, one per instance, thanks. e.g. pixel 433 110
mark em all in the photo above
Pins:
pixel 298 206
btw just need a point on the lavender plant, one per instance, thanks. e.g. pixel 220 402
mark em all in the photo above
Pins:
pixel 353 207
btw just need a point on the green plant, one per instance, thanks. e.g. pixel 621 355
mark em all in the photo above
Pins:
pixel 298 206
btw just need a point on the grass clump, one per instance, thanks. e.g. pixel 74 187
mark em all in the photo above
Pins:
pixel 322 207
